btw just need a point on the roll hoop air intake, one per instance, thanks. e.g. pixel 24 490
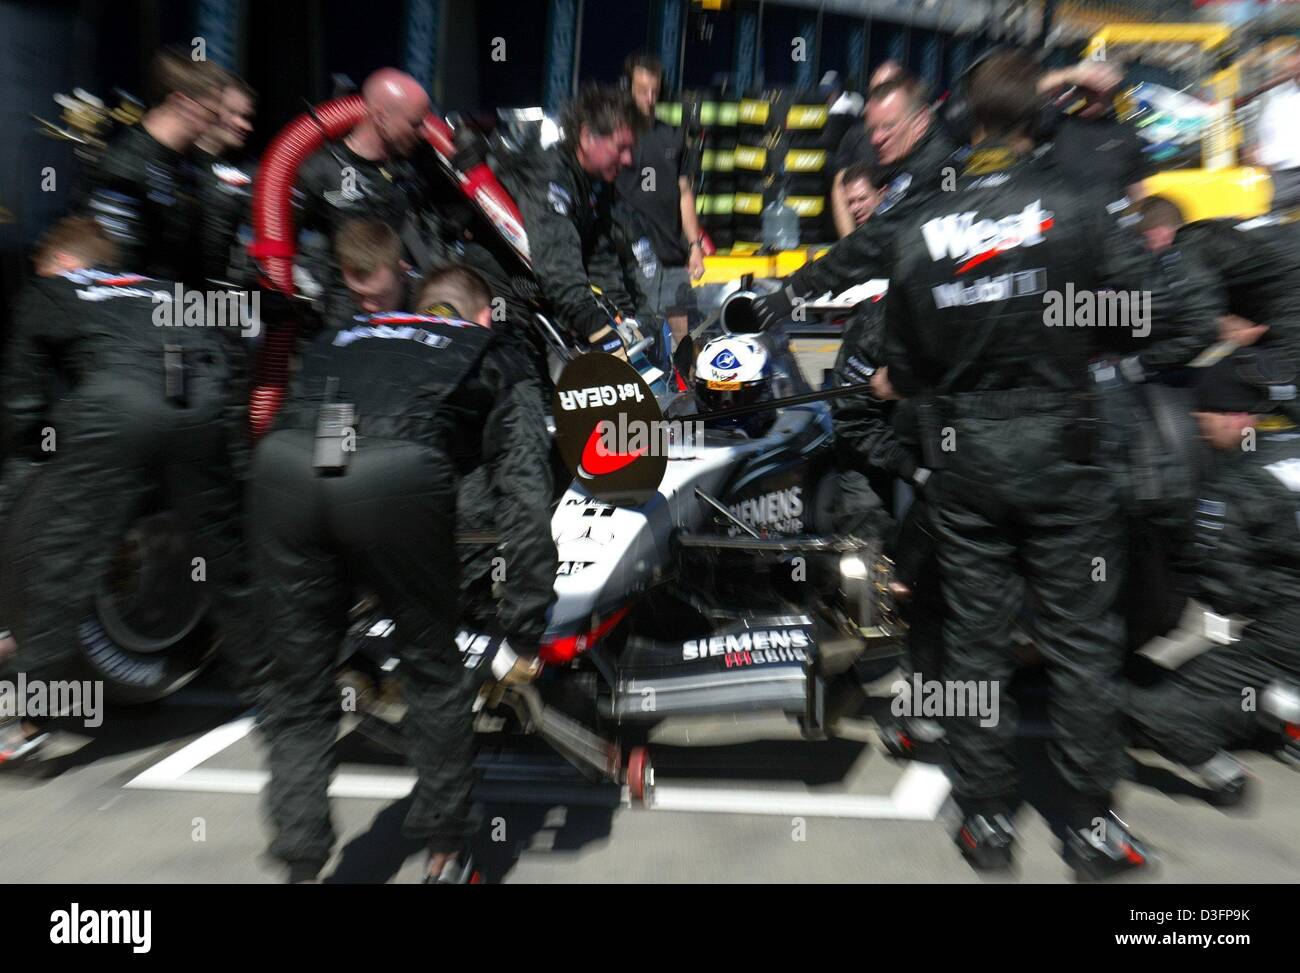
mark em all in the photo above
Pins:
pixel 275 235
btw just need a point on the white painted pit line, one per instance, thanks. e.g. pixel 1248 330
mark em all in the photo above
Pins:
pixel 181 771
pixel 918 795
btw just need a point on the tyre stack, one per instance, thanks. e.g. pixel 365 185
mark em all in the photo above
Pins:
pixel 780 150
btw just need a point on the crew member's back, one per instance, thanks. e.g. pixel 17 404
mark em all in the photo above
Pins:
pixel 984 328
pixel 357 485
pixel 993 280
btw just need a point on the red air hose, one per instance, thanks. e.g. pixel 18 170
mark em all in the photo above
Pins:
pixel 275 236
pixel 275 239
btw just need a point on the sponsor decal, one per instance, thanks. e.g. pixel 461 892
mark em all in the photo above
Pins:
pixel 989 290
pixel 608 427
pixel 765 645
pixel 990 159
pixel 859 368
pixel 586 398
pixel 646 258
pixel 405 317
pixel 559 198
pixel 737 660
pixel 231 178
pixel 780 510
pixel 599 462
pixel 343 198
pixel 103 286
pixel 108 293
pixel 971 242
pixel 88 276
pixel 473 647
pixel 505 221
pixel 613 445
pixel 725 359
pixel 895 191
pixel 396 326
pixel 1210 516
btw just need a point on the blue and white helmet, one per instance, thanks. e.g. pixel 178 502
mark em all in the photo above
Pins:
pixel 735 370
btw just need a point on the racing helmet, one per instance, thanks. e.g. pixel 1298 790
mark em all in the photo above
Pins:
pixel 735 370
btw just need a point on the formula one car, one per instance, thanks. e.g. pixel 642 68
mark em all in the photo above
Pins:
pixel 720 592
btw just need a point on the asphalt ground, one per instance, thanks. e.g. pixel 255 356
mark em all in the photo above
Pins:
pixel 170 793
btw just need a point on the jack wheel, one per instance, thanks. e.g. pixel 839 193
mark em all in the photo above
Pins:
pixel 640 776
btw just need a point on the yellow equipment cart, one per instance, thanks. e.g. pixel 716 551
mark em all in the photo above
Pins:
pixel 1219 186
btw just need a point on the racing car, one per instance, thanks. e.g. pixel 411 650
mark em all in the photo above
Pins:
pixel 719 590
pixel 720 593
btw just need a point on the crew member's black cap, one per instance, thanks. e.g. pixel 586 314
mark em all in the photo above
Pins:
pixel 1254 380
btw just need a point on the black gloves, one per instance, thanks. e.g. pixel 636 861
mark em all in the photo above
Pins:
pixel 770 310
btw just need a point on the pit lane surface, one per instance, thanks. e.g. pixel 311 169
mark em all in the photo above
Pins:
pixel 168 793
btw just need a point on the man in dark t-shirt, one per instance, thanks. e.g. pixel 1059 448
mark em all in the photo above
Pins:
pixel 1092 148
pixel 658 191
pixel 1101 152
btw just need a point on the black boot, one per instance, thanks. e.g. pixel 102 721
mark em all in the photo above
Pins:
pixel 1289 751
pixel 459 870
pixel 1226 780
pixel 1280 707
pixel 987 840
pixel 912 738
pixel 1104 848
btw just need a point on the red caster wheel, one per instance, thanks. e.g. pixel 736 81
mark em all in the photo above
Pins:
pixel 640 776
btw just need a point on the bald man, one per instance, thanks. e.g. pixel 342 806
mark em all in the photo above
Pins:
pixel 377 172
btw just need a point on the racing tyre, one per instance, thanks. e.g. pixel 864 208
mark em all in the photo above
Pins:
pixel 144 632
